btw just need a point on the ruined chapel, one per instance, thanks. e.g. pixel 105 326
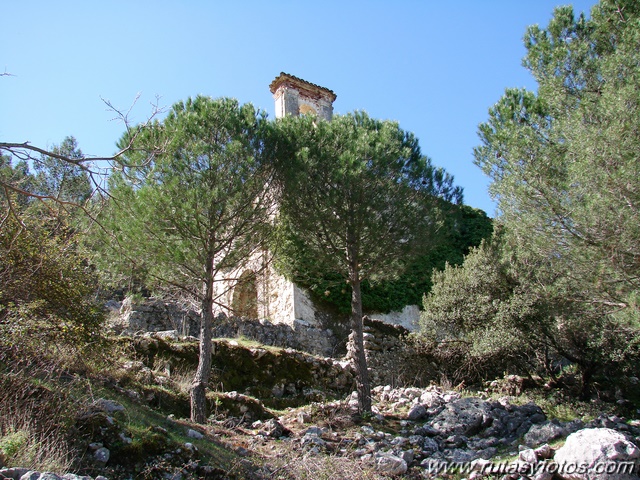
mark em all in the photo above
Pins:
pixel 255 290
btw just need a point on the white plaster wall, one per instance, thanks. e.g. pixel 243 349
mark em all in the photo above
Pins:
pixel 303 307
pixel 407 318
pixel 280 299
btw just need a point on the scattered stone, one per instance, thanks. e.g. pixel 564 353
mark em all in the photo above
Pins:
pixel 30 475
pixel 544 452
pixel 167 335
pixel 108 406
pixel 304 417
pixel 528 456
pixel 417 412
pixel 191 433
pixel 14 473
pixel 465 416
pixel 273 428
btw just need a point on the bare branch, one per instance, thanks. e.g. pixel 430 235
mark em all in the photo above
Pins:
pixel 96 173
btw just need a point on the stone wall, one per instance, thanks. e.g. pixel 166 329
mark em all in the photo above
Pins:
pixel 395 358
pixel 155 315
pixel 300 335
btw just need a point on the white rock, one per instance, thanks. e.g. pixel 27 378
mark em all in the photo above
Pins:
pixel 390 464
pixel 108 406
pixel 598 452
pixel 30 475
pixel 528 456
pixel 167 335
pixel 194 434
pixel 102 455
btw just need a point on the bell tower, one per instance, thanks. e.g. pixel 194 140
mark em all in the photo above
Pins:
pixel 294 96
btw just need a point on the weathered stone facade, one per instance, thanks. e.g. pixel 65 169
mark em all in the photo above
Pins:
pixel 294 96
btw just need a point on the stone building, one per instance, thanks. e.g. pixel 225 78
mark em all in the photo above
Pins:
pixel 256 290
pixel 294 96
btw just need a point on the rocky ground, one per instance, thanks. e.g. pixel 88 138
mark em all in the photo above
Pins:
pixel 415 433
pixel 286 426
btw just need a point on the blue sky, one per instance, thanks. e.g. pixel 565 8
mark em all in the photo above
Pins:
pixel 433 66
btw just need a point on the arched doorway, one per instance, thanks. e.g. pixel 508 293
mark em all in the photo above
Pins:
pixel 245 296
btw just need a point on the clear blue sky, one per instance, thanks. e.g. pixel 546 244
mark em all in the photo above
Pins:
pixel 433 66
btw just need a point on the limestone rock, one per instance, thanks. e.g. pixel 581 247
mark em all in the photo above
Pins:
pixel 464 416
pixel 390 464
pixel 417 412
pixel 191 433
pixel 597 451
pixel 102 455
pixel 15 473
pixel 543 433
pixel 108 406
pixel 30 475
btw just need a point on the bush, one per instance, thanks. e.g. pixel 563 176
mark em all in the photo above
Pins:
pixel 499 314
pixel 46 287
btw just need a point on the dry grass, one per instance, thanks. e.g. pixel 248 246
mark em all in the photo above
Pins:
pixel 26 445
pixel 321 467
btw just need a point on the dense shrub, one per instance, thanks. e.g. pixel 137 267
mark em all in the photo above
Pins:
pixel 498 314
pixel 46 289
pixel 464 228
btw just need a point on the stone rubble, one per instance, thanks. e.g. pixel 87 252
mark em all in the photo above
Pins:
pixel 26 474
pixel 438 426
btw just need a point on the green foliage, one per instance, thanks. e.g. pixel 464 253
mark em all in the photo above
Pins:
pixel 562 284
pixel 18 176
pixel 358 197
pixel 362 182
pixel 403 269
pixel 192 193
pixel 564 160
pixel 464 228
pixel 190 205
pixel 66 180
pixel 499 313
pixel 469 312
pixel 12 442
pixel 46 287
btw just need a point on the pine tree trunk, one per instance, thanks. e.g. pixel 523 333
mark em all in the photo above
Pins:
pixel 360 361
pixel 201 378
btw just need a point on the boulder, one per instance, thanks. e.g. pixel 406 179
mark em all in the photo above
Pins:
pixel 598 454
pixel 543 433
pixel 14 473
pixel 465 416
pixel 102 455
pixel 108 406
pixel 417 412
pixel 30 475
pixel 390 464
pixel 191 433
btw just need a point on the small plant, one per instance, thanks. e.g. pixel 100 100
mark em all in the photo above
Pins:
pixel 13 442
